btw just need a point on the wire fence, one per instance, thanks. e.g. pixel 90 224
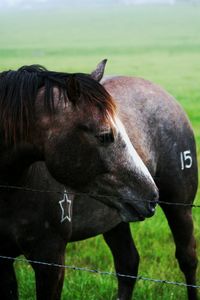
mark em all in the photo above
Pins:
pixel 28 189
pixel 114 274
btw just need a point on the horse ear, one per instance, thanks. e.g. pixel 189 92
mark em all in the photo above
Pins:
pixel 73 89
pixel 97 74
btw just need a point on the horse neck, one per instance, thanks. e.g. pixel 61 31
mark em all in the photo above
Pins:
pixel 15 160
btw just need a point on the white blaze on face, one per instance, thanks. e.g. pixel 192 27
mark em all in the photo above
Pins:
pixel 132 152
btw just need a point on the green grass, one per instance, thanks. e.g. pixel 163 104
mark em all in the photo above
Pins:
pixel 160 44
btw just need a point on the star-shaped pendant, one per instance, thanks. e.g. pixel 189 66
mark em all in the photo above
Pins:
pixel 66 208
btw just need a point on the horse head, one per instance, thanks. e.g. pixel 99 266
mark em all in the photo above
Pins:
pixel 71 121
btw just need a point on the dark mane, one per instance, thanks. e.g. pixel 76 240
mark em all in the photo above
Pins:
pixel 19 90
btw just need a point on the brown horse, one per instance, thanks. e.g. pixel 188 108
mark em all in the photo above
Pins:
pixel 44 115
pixel 69 121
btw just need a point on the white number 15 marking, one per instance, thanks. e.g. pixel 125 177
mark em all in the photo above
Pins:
pixel 186 159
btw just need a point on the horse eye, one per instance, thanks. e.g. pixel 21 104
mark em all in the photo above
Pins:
pixel 105 138
pixel 85 128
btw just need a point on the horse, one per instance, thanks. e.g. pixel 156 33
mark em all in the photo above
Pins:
pixel 69 122
pixel 162 135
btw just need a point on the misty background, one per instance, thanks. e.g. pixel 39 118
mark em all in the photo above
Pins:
pixel 34 4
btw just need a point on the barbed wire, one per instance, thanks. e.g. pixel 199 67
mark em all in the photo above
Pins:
pixel 115 274
pixel 27 189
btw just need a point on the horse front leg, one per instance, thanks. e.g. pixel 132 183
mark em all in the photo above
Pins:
pixel 49 278
pixel 8 282
pixel 126 258
pixel 181 224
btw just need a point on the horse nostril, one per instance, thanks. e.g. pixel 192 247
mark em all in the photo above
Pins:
pixel 155 196
pixel 151 206
pixel 152 203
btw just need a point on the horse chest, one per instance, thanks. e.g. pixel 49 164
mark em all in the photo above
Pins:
pixel 27 220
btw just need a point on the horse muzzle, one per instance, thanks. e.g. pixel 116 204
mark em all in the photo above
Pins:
pixel 132 211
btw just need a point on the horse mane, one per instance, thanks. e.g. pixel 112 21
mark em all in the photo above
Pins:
pixel 19 90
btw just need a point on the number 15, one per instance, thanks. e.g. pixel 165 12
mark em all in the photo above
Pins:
pixel 186 159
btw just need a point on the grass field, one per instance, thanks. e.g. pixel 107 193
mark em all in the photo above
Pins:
pixel 161 44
